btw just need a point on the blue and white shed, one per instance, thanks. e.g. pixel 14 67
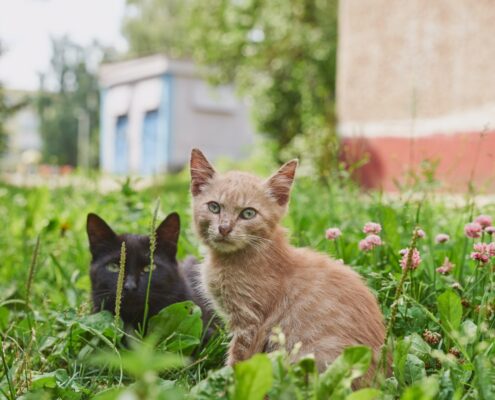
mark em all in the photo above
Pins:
pixel 155 109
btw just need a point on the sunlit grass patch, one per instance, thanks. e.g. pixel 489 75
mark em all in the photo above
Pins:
pixel 441 321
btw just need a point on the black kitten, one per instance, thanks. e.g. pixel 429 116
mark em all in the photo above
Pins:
pixel 168 281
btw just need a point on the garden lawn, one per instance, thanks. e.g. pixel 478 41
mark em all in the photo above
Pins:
pixel 441 337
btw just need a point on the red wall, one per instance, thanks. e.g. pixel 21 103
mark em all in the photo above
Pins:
pixel 462 158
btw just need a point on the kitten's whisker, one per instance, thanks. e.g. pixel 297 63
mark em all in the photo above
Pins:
pixel 102 294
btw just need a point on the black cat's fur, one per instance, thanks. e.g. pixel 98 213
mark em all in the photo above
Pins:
pixel 170 282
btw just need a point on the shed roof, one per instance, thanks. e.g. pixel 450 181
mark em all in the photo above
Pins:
pixel 136 69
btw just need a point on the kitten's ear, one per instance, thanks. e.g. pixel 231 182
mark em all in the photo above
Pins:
pixel 201 171
pixel 99 233
pixel 280 183
pixel 167 235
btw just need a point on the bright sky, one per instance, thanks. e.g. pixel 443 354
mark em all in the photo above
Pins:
pixel 27 25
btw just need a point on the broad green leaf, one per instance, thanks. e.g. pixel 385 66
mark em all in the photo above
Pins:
pixel 111 394
pixel 391 385
pixel 401 351
pixel 485 377
pixel 216 386
pixel 161 390
pixel 365 394
pixel 253 378
pixel 419 347
pixel 426 389
pixel 99 321
pixel 414 369
pixel 450 310
pixel 178 326
pixel 47 380
pixel 50 379
pixel 52 393
pixel 335 382
pixel 141 360
pixel 307 364
pixel 88 331
pixel 446 389
pixel 408 367
pixel 4 318
pixel 417 318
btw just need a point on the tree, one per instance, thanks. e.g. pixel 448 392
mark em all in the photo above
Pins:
pixel 76 93
pixel 280 54
pixel 157 26
pixel 7 109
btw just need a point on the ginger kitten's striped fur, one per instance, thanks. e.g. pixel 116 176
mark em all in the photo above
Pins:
pixel 258 281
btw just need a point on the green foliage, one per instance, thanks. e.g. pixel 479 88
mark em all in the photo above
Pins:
pixel 365 394
pixel 120 282
pixel 8 107
pixel 157 26
pixel 253 378
pixel 418 347
pixel 335 382
pixel 143 363
pixel 281 56
pixel 152 248
pixel 410 356
pixel 142 360
pixel 215 386
pixel 56 384
pixel 75 97
pixel 400 359
pixel 485 380
pixel 425 389
pixel 54 347
pixel 450 309
pixel 178 327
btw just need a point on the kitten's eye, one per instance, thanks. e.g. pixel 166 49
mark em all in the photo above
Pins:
pixel 113 267
pixel 248 213
pixel 147 268
pixel 214 207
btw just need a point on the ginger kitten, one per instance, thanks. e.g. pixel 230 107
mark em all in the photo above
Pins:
pixel 258 281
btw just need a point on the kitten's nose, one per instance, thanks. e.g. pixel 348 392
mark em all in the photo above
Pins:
pixel 224 229
pixel 130 285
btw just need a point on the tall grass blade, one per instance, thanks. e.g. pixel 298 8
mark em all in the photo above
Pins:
pixel 152 260
pixel 382 361
pixel 32 269
pixel 7 370
pixel 120 283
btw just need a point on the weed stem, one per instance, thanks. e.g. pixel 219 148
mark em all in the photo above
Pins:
pixel 120 283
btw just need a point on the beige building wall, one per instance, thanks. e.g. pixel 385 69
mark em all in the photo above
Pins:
pixel 416 83
pixel 415 59
pixel 212 119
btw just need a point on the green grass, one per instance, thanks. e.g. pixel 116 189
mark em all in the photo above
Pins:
pixel 52 347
